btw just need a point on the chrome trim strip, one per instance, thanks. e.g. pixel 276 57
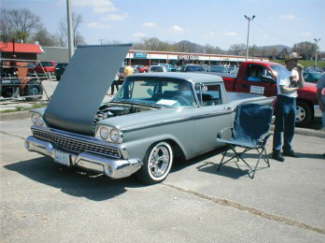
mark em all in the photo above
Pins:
pixel 113 168
pixel 197 117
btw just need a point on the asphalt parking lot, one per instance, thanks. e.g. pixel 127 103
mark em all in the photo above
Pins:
pixel 44 202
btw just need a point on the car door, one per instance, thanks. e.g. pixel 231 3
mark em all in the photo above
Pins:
pixel 212 115
pixel 258 79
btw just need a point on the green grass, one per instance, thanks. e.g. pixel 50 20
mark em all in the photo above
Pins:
pixel 305 63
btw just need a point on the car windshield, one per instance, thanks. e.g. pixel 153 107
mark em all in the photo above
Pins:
pixel 280 70
pixel 156 92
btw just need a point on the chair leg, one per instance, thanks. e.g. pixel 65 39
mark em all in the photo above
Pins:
pixel 262 154
pixel 223 156
pixel 229 159
pixel 266 157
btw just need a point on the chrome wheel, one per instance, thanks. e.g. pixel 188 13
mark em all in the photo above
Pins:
pixel 160 161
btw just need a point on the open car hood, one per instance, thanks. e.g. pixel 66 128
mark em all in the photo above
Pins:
pixel 83 86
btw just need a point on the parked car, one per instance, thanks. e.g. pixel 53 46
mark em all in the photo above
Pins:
pixel 169 67
pixel 59 70
pixel 158 68
pixel 193 68
pixel 155 118
pixel 259 77
pixel 44 69
pixel 141 68
pixel 312 77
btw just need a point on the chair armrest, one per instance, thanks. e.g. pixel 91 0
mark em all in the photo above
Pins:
pixel 222 132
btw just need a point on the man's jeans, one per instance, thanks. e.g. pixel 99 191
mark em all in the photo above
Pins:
pixel 285 115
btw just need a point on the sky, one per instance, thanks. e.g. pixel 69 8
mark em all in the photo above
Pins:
pixel 216 22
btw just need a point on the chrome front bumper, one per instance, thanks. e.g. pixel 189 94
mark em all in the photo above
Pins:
pixel 114 168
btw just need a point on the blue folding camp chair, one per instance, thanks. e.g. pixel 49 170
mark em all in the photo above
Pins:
pixel 250 131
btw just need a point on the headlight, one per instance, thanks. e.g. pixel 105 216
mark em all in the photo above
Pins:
pixel 109 134
pixel 37 120
pixel 104 133
pixel 116 136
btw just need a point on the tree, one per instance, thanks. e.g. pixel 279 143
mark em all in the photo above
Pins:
pixel 63 31
pixel 237 49
pixel 305 49
pixel 18 24
pixel 44 38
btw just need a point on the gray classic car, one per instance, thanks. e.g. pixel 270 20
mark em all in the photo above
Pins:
pixel 155 118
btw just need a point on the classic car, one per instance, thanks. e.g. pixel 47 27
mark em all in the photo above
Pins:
pixel 154 120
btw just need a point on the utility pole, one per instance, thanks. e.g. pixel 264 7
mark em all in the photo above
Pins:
pixel 316 49
pixel 249 19
pixel 70 30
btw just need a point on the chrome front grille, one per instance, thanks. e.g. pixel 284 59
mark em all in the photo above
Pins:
pixel 75 145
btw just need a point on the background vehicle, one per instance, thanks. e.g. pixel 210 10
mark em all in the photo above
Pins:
pixel 312 77
pixel 259 78
pixel 45 70
pixel 59 70
pixel 193 68
pixel 169 67
pixel 141 68
pixel 158 68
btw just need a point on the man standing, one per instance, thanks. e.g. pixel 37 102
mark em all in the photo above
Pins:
pixel 288 82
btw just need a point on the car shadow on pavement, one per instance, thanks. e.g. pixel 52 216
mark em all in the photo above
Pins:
pixel 75 182
pixel 208 166
pixel 182 163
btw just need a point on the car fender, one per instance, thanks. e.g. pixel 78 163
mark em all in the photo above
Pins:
pixel 138 148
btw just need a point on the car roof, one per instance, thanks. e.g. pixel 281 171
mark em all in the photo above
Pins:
pixel 188 76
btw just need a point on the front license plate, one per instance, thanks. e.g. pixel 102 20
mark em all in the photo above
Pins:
pixel 62 158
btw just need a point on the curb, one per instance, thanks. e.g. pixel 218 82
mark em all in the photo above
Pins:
pixel 26 114
pixel 14 115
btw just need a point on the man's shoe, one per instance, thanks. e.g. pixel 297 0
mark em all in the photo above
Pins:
pixel 290 153
pixel 277 156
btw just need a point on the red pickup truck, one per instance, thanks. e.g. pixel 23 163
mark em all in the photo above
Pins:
pixel 259 77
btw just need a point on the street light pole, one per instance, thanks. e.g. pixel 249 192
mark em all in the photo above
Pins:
pixel 249 19
pixel 70 30
pixel 316 49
